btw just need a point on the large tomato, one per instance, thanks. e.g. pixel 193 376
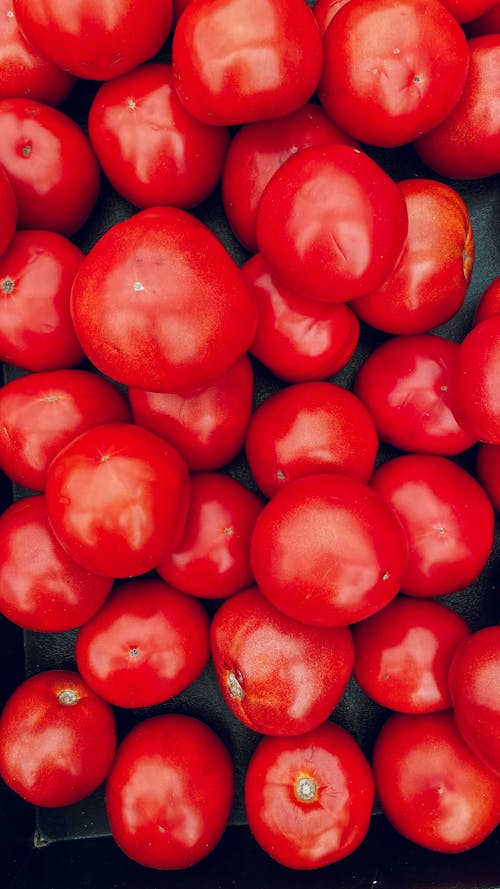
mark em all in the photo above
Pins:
pixel 8 211
pixel 473 386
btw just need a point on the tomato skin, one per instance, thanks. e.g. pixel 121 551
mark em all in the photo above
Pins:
pixel 237 61
pixel 54 753
pixel 8 211
pixel 277 675
pixel 117 498
pixel 310 834
pixel 309 428
pixel 324 11
pixel 467 10
pixel 488 471
pixel 328 552
pixel 447 517
pixel 42 412
pixel 146 644
pixel 489 303
pixel 432 787
pixel 487 23
pixel 344 222
pixel 403 654
pixel 152 151
pixel 190 317
pixel 473 387
pixel 169 792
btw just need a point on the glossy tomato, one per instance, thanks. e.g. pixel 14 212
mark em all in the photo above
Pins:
pixel 169 792
pixel 488 471
pixel 57 739
pixel 8 211
pixel 473 386
pixel 489 302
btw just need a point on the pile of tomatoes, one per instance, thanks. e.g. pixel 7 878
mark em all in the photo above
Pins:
pixel 270 458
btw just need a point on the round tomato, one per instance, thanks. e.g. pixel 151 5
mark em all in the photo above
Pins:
pixel 8 211
pixel 488 471
pixel 473 386
pixel 57 739
pixel 489 303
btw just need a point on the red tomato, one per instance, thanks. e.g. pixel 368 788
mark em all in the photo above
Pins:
pixel 257 151
pixel 327 550
pixel 169 792
pixel 324 11
pixel 466 145
pixel 160 304
pixel 207 426
pixel 474 680
pixel 117 499
pixel 297 338
pixel 41 587
pixel 488 471
pixel 237 61
pixel 212 559
pixel 41 413
pixel 50 164
pixel 24 72
pixel 98 40
pixel 343 223
pixel 152 151
pixel 392 71
pixel 309 798
pixel 447 517
pixel 404 385
pixel 432 787
pixel 309 428
pixel 57 739
pixel 277 675
pixel 473 387
pixel 8 211
pixel 489 303
pixel 429 283
pixel 403 654
pixel 487 23
pixel 146 644
pixel 36 276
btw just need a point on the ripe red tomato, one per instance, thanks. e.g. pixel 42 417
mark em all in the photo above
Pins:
pixel 327 550
pixel 160 304
pixel 489 303
pixel 392 71
pixel 41 587
pixel 343 223
pixel 404 385
pixel 447 517
pixel 309 798
pixel 488 471
pixel 169 792
pixel 146 644
pixel 403 654
pixel 152 151
pixel 8 211
pixel 473 386
pixel 57 739
pixel 50 164
pixel 41 413
pixel 237 61
pixel 117 499
pixel 431 786
pixel 309 428
pixel 277 675
pixel 97 41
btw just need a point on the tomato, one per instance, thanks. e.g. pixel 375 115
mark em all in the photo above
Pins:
pixel 169 792
pixel 212 559
pixel 404 385
pixel 343 222
pixel 392 71
pixel 152 151
pixel 431 786
pixel 309 428
pixel 489 303
pixel 146 644
pixel 297 338
pixel 8 211
pixel 42 412
pixel 160 304
pixel 207 425
pixel 403 654
pixel 474 680
pixel 309 798
pixel 36 276
pixel 466 145
pixel 259 149
pixel 237 61
pixel 98 40
pixel 277 675
pixel 117 499
pixel 447 517
pixel 41 587
pixel 473 386
pixel 488 471
pixel 57 739
pixel 51 166
pixel 429 283
pixel 327 550
pixel 324 11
